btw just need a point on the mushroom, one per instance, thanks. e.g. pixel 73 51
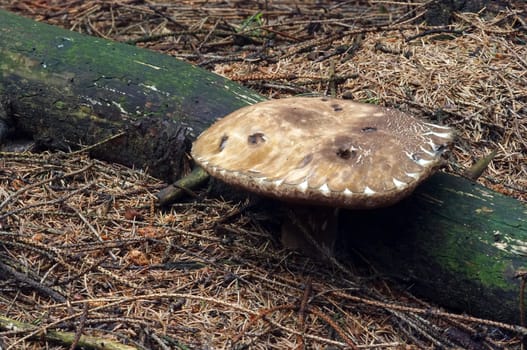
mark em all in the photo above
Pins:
pixel 322 152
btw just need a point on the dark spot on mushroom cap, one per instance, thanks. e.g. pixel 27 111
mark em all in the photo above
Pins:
pixel 368 129
pixel 256 138
pixel 223 141
pixel 346 153
pixel 336 107
pixel 342 147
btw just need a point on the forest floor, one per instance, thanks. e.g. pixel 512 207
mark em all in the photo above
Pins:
pixel 207 274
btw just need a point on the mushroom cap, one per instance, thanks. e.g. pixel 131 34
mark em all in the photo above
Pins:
pixel 322 151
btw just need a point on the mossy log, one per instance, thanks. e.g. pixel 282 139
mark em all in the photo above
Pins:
pixel 65 338
pixel 68 90
pixel 457 243
pixel 453 241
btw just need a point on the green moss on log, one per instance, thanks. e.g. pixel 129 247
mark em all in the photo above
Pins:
pixel 453 241
pixel 67 90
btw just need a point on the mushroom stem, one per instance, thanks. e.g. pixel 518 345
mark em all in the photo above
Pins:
pixel 311 230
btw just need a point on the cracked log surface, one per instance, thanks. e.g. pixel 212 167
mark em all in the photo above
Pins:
pixel 454 242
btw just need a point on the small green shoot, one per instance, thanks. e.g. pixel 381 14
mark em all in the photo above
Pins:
pixel 251 24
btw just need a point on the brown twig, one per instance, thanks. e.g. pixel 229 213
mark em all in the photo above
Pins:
pixel 80 327
pixel 24 279
pixel 302 312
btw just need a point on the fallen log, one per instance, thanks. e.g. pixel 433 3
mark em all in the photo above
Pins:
pixel 453 241
pixel 458 244
pixel 67 90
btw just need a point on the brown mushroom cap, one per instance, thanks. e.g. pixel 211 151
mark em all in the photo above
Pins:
pixel 322 151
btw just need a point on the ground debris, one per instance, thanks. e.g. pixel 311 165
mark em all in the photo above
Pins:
pixel 73 257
